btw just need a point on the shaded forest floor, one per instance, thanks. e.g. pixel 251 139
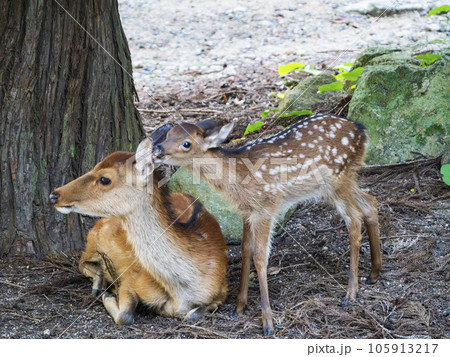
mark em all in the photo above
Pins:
pixel 309 261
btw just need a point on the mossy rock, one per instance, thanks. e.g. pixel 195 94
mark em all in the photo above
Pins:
pixel 230 222
pixel 404 107
pixel 305 95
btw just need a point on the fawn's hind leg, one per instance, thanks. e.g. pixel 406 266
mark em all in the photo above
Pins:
pixel 368 206
pixel 347 208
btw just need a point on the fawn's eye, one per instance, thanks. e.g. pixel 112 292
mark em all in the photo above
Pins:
pixel 186 144
pixel 104 181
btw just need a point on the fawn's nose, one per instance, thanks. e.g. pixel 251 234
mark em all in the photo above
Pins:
pixel 158 151
pixel 54 197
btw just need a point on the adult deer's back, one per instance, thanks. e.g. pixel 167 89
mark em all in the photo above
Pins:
pixel 317 158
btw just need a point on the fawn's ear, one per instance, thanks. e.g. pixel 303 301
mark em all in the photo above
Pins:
pixel 217 136
pixel 160 133
pixel 208 126
pixel 143 156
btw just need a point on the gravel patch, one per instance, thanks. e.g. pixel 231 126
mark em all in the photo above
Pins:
pixel 170 40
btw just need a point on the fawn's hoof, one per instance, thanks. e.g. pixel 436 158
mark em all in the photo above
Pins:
pixel 238 312
pixel 345 302
pixel 369 281
pixel 268 331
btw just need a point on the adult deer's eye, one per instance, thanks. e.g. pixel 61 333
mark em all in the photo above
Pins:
pixel 104 181
pixel 186 144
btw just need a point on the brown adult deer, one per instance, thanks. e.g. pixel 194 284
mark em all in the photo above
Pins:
pixel 317 158
pixel 167 250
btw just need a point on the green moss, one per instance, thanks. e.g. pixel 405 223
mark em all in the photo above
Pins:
pixel 404 107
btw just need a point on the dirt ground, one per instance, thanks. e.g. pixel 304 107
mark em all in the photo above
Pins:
pixel 309 264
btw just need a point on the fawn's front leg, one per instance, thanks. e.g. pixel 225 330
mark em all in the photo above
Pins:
pixel 261 233
pixel 246 256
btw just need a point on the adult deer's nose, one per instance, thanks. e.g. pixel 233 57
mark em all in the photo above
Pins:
pixel 54 197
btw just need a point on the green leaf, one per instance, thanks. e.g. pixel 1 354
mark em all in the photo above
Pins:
pixel 265 113
pixel 437 10
pixel 296 112
pixel 445 171
pixel 310 70
pixel 280 95
pixel 285 69
pixel 427 59
pixel 331 87
pixel 353 75
pixel 253 127
pixel 339 76
pixel 345 67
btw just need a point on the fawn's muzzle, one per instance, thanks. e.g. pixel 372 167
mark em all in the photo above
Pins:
pixel 158 152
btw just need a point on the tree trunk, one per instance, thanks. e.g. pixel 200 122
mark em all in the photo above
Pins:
pixel 65 104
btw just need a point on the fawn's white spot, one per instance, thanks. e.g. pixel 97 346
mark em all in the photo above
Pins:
pixel 344 141
pixel 334 151
pixel 311 145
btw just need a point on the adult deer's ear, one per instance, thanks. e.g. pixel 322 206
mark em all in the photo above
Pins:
pixel 143 157
pixel 217 136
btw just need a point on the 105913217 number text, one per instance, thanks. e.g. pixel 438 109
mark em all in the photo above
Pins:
pixel 403 348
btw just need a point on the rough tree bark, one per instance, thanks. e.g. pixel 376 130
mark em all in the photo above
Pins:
pixel 64 105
